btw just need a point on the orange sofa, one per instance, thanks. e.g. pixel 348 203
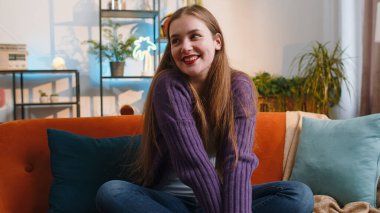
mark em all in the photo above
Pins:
pixel 25 174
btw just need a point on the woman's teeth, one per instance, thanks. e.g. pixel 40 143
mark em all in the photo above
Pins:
pixel 190 60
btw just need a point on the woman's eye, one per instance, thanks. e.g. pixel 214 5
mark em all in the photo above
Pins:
pixel 195 36
pixel 174 40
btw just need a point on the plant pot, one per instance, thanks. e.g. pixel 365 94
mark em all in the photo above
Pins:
pixel 117 68
pixel 54 98
pixel 44 99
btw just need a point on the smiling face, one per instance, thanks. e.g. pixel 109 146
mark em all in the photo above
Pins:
pixel 193 46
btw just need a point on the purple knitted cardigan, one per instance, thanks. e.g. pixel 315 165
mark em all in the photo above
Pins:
pixel 181 147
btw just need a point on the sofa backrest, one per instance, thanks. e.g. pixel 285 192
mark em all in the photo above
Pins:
pixel 25 174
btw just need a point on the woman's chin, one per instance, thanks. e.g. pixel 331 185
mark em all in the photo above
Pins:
pixel 193 74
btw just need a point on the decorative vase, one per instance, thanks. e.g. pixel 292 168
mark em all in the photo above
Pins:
pixel 117 68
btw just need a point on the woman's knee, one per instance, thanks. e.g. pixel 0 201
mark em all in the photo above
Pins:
pixel 301 195
pixel 112 186
pixel 112 192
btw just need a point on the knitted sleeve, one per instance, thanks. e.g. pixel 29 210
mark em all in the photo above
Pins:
pixel 172 105
pixel 237 190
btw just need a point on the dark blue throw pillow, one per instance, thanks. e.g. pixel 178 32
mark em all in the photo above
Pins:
pixel 81 164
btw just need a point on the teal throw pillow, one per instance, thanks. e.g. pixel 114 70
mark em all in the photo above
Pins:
pixel 81 164
pixel 340 158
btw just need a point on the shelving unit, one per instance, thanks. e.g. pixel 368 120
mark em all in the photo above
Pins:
pixel 126 77
pixel 23 104
pixel 129 14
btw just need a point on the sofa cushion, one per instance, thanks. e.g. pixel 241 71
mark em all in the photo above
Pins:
pixel 80 164
pixel 340 158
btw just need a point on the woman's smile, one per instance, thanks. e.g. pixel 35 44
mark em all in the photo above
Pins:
pixel 191 59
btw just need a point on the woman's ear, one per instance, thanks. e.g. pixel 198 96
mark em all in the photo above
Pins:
pixel 218 41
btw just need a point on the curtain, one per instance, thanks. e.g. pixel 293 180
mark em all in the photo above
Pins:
pixel 370 91
pixel 2 97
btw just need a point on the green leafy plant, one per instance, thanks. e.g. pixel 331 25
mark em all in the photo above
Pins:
pixel 117 49
pixel 323 70
pixel 263 83
pixel 295 95
pixel 42 93
pixel 278 93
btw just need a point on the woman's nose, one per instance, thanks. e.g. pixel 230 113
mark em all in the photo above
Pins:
pixel 186 46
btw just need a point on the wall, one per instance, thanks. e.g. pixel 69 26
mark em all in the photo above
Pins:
pixel 260 35
pixel 268 34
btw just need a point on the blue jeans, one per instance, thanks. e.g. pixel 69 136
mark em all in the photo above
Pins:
pixel 121 196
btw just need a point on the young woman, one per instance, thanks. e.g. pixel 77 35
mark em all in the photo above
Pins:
pixel 199 121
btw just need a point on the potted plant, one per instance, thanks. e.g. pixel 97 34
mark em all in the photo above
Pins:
pixel 268 90
pixel 54 97
pixel 295 98
pixel 43 97
pixel 116 50
pixel 277 93
pixel 323 70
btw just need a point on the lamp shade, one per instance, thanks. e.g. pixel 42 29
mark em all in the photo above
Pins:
pixel 377 26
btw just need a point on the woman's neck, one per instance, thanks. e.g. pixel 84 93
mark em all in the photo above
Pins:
pixel 198 82
pixel 198 86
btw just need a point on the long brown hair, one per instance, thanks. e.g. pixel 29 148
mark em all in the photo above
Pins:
pixel 213 111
